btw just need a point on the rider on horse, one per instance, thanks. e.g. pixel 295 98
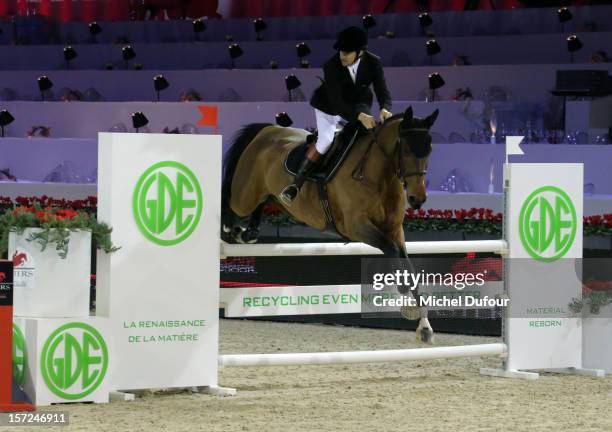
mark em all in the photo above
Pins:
pixel 344 96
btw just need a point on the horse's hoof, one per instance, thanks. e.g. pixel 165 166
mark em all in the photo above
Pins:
pixel 249 236
pixel 411 313
pixel 425 335
pixel 237 234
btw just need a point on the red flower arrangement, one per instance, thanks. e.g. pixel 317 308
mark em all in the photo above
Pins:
pixel 88 204
pixel 598 224
pixel 473 220
pixel 480 220
pixel 55 220
pixel 596 285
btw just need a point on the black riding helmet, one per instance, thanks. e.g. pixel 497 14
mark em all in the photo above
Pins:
pixel 351 39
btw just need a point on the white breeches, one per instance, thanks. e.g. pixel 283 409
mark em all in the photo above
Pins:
pixel 327 125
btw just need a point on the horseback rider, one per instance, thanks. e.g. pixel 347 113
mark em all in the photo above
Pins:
pixel 343 97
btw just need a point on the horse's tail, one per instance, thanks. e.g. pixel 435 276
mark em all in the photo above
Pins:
pixel 241 140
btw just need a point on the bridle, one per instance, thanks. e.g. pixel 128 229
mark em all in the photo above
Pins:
pixel 395 159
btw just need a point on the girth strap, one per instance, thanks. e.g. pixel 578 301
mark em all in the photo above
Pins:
pixel 330 225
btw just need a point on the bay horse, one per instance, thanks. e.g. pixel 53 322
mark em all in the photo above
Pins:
pixel 369 208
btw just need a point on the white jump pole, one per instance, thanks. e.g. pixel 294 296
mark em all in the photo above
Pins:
pixel 305 249
pixel 241 360
pixel 297 249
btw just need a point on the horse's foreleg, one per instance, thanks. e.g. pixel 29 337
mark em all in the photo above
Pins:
pixel 245 229
pixel 251 233
pixel 424 331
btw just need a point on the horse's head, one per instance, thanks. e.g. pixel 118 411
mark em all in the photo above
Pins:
pixel 414 147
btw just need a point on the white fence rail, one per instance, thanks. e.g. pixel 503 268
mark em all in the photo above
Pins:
pixel 296 249
pixel 496 349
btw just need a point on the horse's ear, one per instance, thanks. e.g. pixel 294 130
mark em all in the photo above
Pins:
pixel 429 121
pixel 408 115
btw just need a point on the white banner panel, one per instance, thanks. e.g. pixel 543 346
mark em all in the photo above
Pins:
pixel 332 299
pixel 291 300
pixel 62 360
pixel 161 195
pixel 46 285
pixel 544 231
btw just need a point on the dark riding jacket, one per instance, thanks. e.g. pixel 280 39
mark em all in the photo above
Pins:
pixel 338 95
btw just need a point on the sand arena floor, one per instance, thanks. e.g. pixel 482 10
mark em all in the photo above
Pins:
pixel 433 395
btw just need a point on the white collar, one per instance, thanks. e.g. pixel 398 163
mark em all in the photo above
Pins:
pixel 355 65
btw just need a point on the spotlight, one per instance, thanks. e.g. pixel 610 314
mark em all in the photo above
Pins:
pixel 302 50
pixel 390 34
pixel 273 64
pixel 139 120
pixel 69 54
pixel 425 20
pixel 564 15
pixel 6 119
pixel 128 54
pixel 573 44
pixel 199 26
pixel 283 119
pixel 292 82
pixel 235 51
pixel 229 38
pixel 44 84
pixel 433 48
pixel 368 22
pixel 160 83
pixel 260 25
pixel 435 82
pixel 94 28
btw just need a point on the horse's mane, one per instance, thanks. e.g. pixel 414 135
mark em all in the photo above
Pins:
pixel 420 149
pixel 241 140
pixel 380 126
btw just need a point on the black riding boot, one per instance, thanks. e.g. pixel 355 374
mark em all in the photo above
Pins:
pixel 290 192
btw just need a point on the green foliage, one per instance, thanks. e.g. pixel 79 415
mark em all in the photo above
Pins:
pixel 55 225
pixel 595 295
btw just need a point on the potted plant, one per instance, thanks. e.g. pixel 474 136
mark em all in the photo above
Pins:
pixel 50 246
pixel 598 232
pixel 596 309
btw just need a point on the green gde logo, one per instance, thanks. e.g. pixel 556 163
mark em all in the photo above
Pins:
pixel 547 223
pixel 167 203
pixel 20 355
pixel 74 360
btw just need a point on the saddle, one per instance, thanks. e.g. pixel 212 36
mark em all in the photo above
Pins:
pixel 333 159
pixel 324 172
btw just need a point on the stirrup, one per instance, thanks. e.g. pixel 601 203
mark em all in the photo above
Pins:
pixel 285 195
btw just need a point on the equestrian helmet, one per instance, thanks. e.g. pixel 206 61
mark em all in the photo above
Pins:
pixel 351 39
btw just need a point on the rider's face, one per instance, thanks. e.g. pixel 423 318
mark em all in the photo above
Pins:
pixel 349 57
